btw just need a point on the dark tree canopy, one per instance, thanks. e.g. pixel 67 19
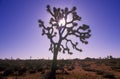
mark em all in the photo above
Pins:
pixel 63 30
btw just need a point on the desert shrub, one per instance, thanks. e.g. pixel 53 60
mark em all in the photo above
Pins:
pixel 89 69
pixel 7 72
pixel 46 67
pixel 47 75
pixel 32 71
pixel 109 75
pixel 99 72
pixel 16 68
pixel 115 67
pixel 70 68
pixel 60 63
pixel 2 68
pixel 60 67
pixel 21 71
pixel 63 63
pixel 3 65
pixel 43 71
pixel 85 65
pixel 40 69
pixel 66 73
pixel 113 62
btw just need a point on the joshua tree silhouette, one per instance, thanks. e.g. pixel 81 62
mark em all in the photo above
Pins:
pixel 59 31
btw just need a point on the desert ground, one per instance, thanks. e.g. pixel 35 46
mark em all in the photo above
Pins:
pixel 88 68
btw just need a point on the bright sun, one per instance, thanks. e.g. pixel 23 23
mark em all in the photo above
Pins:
pixel 61 22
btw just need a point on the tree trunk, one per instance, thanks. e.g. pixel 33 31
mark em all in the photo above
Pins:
pixel 54 64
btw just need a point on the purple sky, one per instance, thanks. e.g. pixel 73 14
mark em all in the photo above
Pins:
pixel 20 35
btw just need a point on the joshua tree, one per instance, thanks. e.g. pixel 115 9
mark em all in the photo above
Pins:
pixel 59 32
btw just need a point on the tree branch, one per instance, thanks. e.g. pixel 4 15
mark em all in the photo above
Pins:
pixel 81 32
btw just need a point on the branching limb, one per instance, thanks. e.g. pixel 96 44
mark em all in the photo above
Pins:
pixel 81 32
pixel 49 10
pixel 49 32
pixel 74 45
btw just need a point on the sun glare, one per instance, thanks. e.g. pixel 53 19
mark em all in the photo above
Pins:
pixel 61 22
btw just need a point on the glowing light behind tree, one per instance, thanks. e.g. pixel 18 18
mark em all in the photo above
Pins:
pixel 61 22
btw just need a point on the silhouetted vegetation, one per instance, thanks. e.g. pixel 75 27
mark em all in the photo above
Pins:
pixel 61 28
pixel 67 69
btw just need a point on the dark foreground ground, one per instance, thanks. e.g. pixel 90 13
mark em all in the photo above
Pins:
pixel 66 69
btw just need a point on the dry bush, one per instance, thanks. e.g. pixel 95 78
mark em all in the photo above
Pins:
pixel 109 75
pixel 99 72
pixel 116 68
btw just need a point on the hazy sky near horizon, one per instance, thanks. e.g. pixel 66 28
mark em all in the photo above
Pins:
pixel 20 35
